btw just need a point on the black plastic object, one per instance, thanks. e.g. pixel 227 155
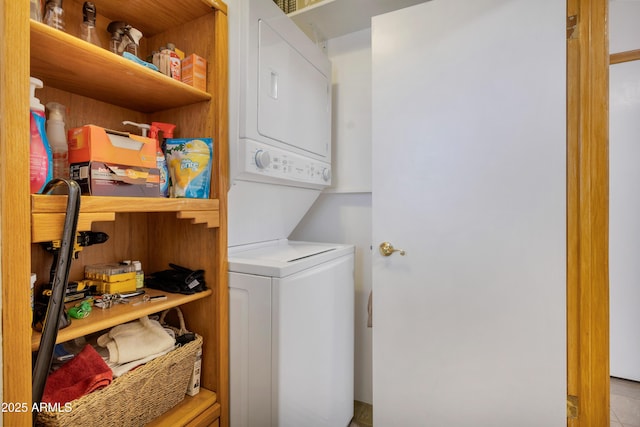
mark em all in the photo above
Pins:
pixel 177 280
pixel 55 309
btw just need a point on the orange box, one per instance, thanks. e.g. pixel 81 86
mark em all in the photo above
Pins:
pixel 95 144
pixel 194 71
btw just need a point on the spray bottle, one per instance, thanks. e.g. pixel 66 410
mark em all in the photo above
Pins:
pixel 116 28
pixel 167 130
pixel 40 160
pixel 144 128
pixel 36 10
pixel 161 162
pixel 88 31
pixel 134 35
pixel 54 14
pixel 57 136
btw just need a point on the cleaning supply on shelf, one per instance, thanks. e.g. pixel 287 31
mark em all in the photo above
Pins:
pixel 57 137
pixel 194 71
pixel 174 62
pixel 116 28
pixel 189 161
pixel 36 10
pixel 167 130
pixel 133 35
pixel 88 31
pixel 144 128
pixel 54 14
pixel 40 160
pixel 161 161
pixel 124 38
pixel 163 61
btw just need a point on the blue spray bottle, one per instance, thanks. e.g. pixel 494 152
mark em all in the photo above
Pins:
pixel 40 157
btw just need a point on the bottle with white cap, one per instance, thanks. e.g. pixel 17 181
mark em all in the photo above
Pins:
pixel 57 136
pixel 40 162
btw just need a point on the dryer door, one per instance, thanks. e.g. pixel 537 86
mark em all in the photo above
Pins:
pixel 294 98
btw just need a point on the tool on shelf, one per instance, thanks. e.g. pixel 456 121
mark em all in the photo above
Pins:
pixel 55 309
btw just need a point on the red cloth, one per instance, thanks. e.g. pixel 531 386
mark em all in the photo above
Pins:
pixel 85 373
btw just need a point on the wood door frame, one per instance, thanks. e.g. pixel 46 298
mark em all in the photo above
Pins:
pixel 588 211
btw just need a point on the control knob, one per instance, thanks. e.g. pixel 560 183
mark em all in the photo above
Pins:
pixel 326 174
pixel 263 159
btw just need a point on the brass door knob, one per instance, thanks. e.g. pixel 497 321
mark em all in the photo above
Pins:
pixel 387 249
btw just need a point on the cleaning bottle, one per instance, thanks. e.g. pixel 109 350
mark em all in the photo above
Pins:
pixel 134 35
pixel 161 161
pixel 88 31
pixel 36 10
pixel 144 128
pixel 167 130
pixel 116 28
pixel 54 14
pixel 40 161
pixel 57 137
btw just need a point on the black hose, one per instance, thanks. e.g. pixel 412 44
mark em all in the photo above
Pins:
pixel 55 308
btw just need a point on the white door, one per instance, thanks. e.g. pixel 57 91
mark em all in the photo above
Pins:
pixel 624 195
pixel 469 179
pixel 624 222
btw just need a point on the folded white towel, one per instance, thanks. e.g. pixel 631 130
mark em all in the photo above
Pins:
pixel 121 369
pixel 135 340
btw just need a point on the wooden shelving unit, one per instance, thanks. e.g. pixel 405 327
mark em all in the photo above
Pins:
pixel 101 88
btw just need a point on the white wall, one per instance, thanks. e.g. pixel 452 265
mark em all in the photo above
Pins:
pixel 624 220
pixel 343 213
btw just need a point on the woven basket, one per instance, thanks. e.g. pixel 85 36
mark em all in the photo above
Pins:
pixel 135 398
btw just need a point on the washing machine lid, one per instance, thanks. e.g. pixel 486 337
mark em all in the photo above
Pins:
pixel 282 258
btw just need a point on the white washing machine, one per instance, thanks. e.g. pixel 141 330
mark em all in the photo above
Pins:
pixel 291 328
pixel 291 303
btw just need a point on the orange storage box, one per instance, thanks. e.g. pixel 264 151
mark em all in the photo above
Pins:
pixel 92 143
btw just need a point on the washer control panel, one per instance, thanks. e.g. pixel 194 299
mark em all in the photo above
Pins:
pixel 262 160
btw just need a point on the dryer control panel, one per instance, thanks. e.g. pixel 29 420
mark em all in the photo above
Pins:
pixel 265 163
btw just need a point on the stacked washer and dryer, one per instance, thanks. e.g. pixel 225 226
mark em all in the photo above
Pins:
pixel 291 303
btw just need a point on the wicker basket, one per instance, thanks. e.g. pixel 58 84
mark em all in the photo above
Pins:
pixel 135 398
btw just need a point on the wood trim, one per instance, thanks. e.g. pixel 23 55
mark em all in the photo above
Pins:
pixel 15 247
pixel 587 213
pixel 630 55
pixel 221 96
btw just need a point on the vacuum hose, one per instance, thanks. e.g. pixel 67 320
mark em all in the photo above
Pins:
pixel 55 308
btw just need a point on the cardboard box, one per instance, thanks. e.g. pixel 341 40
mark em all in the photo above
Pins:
pixel 194 71
pixel 95 144
pixel 110 179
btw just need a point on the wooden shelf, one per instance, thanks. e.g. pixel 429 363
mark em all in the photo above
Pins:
pixel 334 18
pixel 190 410
pixel 68 63
pixel 48 212
pixel 101 319
pixel 58 204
